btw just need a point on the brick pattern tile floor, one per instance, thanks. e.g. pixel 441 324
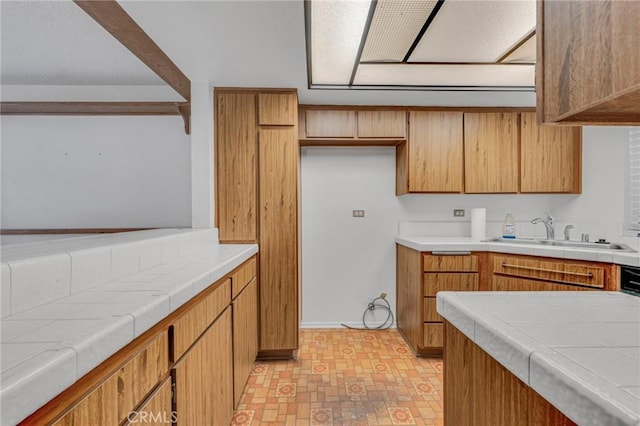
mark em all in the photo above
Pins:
pixel 345 377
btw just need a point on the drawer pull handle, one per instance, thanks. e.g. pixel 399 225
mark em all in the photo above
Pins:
pixel 553 271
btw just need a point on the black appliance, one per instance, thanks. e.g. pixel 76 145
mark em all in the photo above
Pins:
pixel 630 280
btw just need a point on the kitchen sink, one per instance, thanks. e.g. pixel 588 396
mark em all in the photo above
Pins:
pixel 562 243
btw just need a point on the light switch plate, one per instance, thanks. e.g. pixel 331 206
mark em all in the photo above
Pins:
pixel 358 213
pixel 458 212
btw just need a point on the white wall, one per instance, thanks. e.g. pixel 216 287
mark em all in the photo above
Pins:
pixel 599 210
pixel 85 172
pixel 346 260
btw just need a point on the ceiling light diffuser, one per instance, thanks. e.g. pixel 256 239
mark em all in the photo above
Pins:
pixel 337 28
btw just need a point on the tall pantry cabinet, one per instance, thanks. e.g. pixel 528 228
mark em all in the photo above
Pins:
pixel 257 175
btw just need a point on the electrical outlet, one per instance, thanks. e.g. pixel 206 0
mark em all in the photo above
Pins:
pixel 358 213
pixel 458 213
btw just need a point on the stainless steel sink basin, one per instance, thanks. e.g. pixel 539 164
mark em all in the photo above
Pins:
pixel 562 243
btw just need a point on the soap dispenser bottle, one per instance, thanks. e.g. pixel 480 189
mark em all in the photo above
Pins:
pixel 509 226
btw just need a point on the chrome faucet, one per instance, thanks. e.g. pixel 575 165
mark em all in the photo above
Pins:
pixel 548 223
pixel 567 230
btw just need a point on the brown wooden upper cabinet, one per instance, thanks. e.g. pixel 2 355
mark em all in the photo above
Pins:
pixel 352 127
pixel 434 153
pixel 277 109
pixel 236 166
pixel 330 124
pixel 491 152
pixel 382 124
pixel 588 61
pixel 550 157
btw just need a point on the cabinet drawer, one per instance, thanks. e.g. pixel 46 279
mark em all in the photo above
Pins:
pixel 433 283
pixel 433 335
pixel 500 283
pixel 120 394
pixel 330 124
pixel 382 124
pixel 558 272
pixel 242 277
pixel 430 314
pixel 434 263
pixel 192 324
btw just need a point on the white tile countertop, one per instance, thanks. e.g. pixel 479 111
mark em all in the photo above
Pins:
pixel 578 350
pixel 67 305
pixel 430 244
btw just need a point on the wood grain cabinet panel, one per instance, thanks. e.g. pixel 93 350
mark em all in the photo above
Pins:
pixel 192 324
pixel 243 276
pixel 435 152
pixel 491 152
pixel 278 239
pixel 330 124
pixel 435 282
pixel 277 109
pixel 480 391
pixel 455 263
pixel 204 378
pixel 501 283
pixel 114 400
pixel 382 124
pixel 157 410
pixel 430 312
pixel 408 295
pixel 550 157
pixel 141 374
pixel 236 167
pixel 100 407
pixel 587 62
pixel 578 273
pixel 245 337
pixel 433 335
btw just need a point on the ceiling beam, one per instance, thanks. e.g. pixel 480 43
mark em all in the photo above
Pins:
pixel 113 18
pixel 99 108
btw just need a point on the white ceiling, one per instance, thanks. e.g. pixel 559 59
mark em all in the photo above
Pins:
pixel 227 43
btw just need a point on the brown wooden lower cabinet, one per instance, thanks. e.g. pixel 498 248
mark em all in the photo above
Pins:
pixel 480 391
pixel 157 410
pixel 189 369
pixel 421 275
pixel 245 337
pixel 204 379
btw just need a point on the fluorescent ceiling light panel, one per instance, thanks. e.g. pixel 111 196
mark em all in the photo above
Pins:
pixel 525 54
pixel 337 27
pixel 475 31
pixel 445 75
pixel 394 27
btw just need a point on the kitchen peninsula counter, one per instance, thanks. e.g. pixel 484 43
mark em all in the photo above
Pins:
pixel 578 351
pixel 68 305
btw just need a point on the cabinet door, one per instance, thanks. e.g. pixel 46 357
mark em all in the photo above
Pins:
pixel 330 124
pixel 435 151
pixel 157 410
pixel 491 152
pixel 245 337
pixel 277 109
pixel 588 61
pixel 237 163
pixel 500 283
pixel 551 157
pixel 100 407
pixel 382 124
pixel 204 380
pixel 278 239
